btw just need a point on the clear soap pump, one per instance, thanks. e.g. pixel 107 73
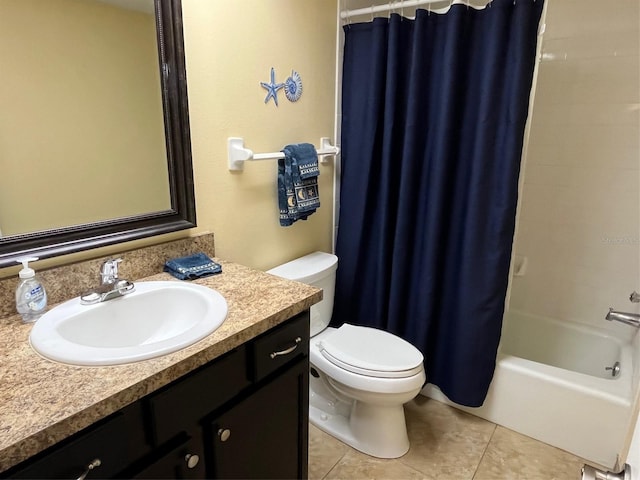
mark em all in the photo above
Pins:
pixel 31 297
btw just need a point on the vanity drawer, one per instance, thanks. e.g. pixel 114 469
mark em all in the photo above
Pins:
pixel 279 346
pixel 112 444
pixel 202 391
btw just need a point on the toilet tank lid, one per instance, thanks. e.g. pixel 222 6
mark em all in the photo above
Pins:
pixel 307 269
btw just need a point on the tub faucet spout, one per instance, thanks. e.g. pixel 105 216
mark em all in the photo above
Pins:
pixel 632 319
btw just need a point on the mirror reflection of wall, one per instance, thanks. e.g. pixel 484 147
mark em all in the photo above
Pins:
pixel 81 130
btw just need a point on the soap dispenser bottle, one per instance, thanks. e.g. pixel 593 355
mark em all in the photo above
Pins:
pixel 31 297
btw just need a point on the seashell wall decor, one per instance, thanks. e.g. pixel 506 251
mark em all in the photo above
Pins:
pixel 293 87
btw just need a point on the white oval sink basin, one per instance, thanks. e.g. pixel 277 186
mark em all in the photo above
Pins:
pixel 156 319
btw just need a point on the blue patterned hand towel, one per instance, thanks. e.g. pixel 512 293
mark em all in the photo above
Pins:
pixel 298 195
pixel 192 266
pixel 306 157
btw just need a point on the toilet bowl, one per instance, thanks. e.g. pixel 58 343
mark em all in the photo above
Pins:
pixel 360 377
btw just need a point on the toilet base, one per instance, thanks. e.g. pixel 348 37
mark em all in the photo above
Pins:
pixel 377 430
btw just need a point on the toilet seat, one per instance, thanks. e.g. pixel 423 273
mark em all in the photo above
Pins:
pixel 371 352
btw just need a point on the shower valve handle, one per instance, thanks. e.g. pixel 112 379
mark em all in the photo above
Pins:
pixel 634 297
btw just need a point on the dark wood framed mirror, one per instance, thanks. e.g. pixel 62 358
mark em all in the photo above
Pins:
pixel 181 214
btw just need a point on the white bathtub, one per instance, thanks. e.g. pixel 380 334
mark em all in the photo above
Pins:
pixel 551 384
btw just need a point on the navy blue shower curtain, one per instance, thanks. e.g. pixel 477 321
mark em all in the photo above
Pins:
pixel 433 118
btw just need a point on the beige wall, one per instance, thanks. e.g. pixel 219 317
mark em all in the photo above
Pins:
pixel 230 48
pixel 579 220
pixel 81 121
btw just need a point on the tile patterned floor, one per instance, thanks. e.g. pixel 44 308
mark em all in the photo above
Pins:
pixel 446 444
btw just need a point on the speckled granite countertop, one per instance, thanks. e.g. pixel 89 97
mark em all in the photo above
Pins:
pixel 42 402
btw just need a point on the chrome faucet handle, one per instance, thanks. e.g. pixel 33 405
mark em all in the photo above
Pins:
pixel 634 297
pixel 109 271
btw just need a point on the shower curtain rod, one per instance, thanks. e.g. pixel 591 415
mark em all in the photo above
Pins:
pixel 398 4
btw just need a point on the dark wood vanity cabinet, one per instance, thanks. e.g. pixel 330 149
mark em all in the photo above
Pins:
pixel 243 415
pixel 262 436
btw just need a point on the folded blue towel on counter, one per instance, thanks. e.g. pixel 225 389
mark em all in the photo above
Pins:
pixel 192 266
pixel 298 195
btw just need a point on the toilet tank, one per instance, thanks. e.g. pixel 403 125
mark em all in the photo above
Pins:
pixel 317 269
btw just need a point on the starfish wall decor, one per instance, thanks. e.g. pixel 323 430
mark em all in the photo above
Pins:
pixel 272 88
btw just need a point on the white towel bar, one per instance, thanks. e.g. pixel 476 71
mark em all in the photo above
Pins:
pixel 238 154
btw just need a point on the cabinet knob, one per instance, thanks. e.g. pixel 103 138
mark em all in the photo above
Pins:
pixel 192 460
pixel 94 464
pixel 224 434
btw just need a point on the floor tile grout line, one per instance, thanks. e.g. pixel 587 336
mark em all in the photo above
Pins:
pixel 410 466
pixel 417 470
pixel 484 452
pixel 334 466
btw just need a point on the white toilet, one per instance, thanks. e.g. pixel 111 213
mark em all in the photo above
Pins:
pixel 360 377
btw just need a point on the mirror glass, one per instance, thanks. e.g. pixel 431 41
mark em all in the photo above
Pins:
pixel 94 139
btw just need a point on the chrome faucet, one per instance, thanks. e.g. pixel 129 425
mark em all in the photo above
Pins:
pixel 632 319
pixel 109 272
pixel 110 285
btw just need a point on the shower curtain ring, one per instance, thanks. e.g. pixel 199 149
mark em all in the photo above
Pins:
pixel 348 17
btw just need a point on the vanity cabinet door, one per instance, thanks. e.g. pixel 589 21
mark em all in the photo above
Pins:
pixel 266 434
pixel 184 461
